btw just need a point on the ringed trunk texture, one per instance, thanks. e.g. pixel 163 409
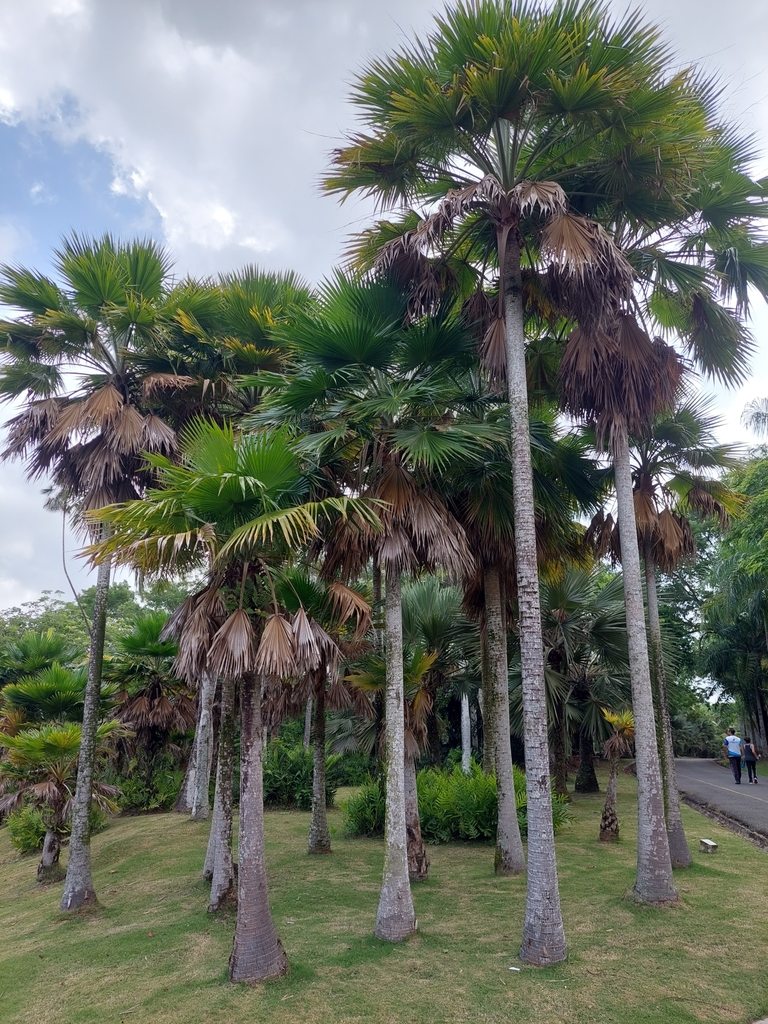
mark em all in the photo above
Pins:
pixel 201 804
pixel 654 882
pixel 78 886
pixel 466 735
pixel 486 698
pixel 509 858
pixel 48 869
pixel 609 822
pixel 543 933
pixel 257 953
pixel 679 852
pixel 319 834
pixel 418 862
pixel 308 724
pixel 395 918
pixel 586 779
pixel 219 867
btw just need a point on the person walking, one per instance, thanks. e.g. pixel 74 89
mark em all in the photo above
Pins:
pixel 750 759
pixel 733 748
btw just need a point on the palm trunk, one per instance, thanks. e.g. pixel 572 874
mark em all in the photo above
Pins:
pixel 466 735
pixel 653 883
pixel 678 844
pixel 418 861
pixel 609 822
pixel 561 753
pixel 78 887
pixel 395 918
pixel 509 858
pixel 543 933
pixel 201 804
pixel 185 798
pixel 487 695
pixel 586 779
pixel 257 953
pixel 48 869
pixel 319 834
pixel 308 723
pixel 219 867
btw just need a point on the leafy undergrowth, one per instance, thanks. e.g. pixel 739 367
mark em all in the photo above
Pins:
pixel 151 953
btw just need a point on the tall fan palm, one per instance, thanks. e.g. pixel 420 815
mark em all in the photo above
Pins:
pixel 33 652
pixel 482 116
pixel 237 508
pixel 85 421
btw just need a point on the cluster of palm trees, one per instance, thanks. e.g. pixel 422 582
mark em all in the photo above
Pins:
pixel 573 229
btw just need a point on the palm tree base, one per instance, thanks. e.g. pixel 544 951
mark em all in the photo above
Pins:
pixel 319 849
pixel 48 875
pixel 502 864
pixel 633 896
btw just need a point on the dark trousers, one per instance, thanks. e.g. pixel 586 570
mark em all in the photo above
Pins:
pixel 736 767
pixel 751 769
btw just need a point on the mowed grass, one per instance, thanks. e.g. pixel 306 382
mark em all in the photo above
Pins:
pixel 152 953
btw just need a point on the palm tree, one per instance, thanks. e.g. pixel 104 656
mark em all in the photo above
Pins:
pixel 85 420
pixel 618 745
pixel 476 115
pixel 40 766
pixel 32 652
pixel 755 416
pixel 53 694
pixel 236 508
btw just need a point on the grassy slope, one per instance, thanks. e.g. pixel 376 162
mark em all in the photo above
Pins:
pixel 153 954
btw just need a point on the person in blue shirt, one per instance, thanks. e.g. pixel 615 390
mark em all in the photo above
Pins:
pixel 734 749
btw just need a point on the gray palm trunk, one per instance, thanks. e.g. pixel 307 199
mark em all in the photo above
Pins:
pixel 257 953
pixel 219 867
pixel 395 917
pixel 78 886
pixel 543 933
pixel 509 857
pixel 319 833
pixel 586 779
pixel 201 803
pixel 308 723
pixel 487 695
pixel 184 800
pixel 679 851
pixel 418 861
pixel 653 883
pixel 466 735
pixel 609 822
pixel 48 869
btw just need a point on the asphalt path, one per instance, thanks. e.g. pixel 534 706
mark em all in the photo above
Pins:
pixel 708 782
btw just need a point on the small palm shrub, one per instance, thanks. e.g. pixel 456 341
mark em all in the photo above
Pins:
pixel 148 785
pixel 452 806
pixel 26 827
pixel 288 777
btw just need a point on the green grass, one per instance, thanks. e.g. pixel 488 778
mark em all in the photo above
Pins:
pixel 152 953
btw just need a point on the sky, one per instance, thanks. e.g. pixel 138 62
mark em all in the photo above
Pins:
pixel 207 125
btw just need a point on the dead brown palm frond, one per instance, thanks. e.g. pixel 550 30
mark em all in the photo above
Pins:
pixel 232 648
pixel 126 430
pixel 646 515
pixel 701 498
pixel 597 537
pixel 157 436
pixel 397 488
pixel 493 349
pixel 275 654
pixel 548 196
pixel 155 382
pixel 349 604
pixel 306 650
pixel 194 624
pixel 669 542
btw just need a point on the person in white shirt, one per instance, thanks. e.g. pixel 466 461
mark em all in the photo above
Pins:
pixel 734 749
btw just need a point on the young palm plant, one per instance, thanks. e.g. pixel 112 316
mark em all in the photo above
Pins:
pixel 618 745
pixel 237 508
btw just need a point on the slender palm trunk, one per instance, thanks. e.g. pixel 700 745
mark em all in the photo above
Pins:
pixel 543 933
pixel 609 822
pixel 257 953
pixel 418 861
pixel 653 883
pixel 308 723
pixel 679 852
pixel 466 735
pixel 509 858
pixel 395 918
pixel 201 803
pixel 184 800
pixel 487 696
pixel 561 753
pixel 48 869
pixel 319 834
pixel 586 779
pixel 78 887
pixel 219 867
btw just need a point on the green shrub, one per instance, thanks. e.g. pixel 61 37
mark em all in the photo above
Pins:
pixel 452 806
pixel 26 827
pixel 354 768
pixel 288 777
pixel 148 787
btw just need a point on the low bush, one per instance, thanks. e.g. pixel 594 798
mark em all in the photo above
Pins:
pixel 452 806
pixel 26 827
pixel 288 777
pixel 148 787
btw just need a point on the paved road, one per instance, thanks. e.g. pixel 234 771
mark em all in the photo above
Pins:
pixel 704 780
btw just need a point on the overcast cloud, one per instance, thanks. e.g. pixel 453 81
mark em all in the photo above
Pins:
pixel 216 117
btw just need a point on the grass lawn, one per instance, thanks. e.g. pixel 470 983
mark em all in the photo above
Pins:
pixel 152 953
